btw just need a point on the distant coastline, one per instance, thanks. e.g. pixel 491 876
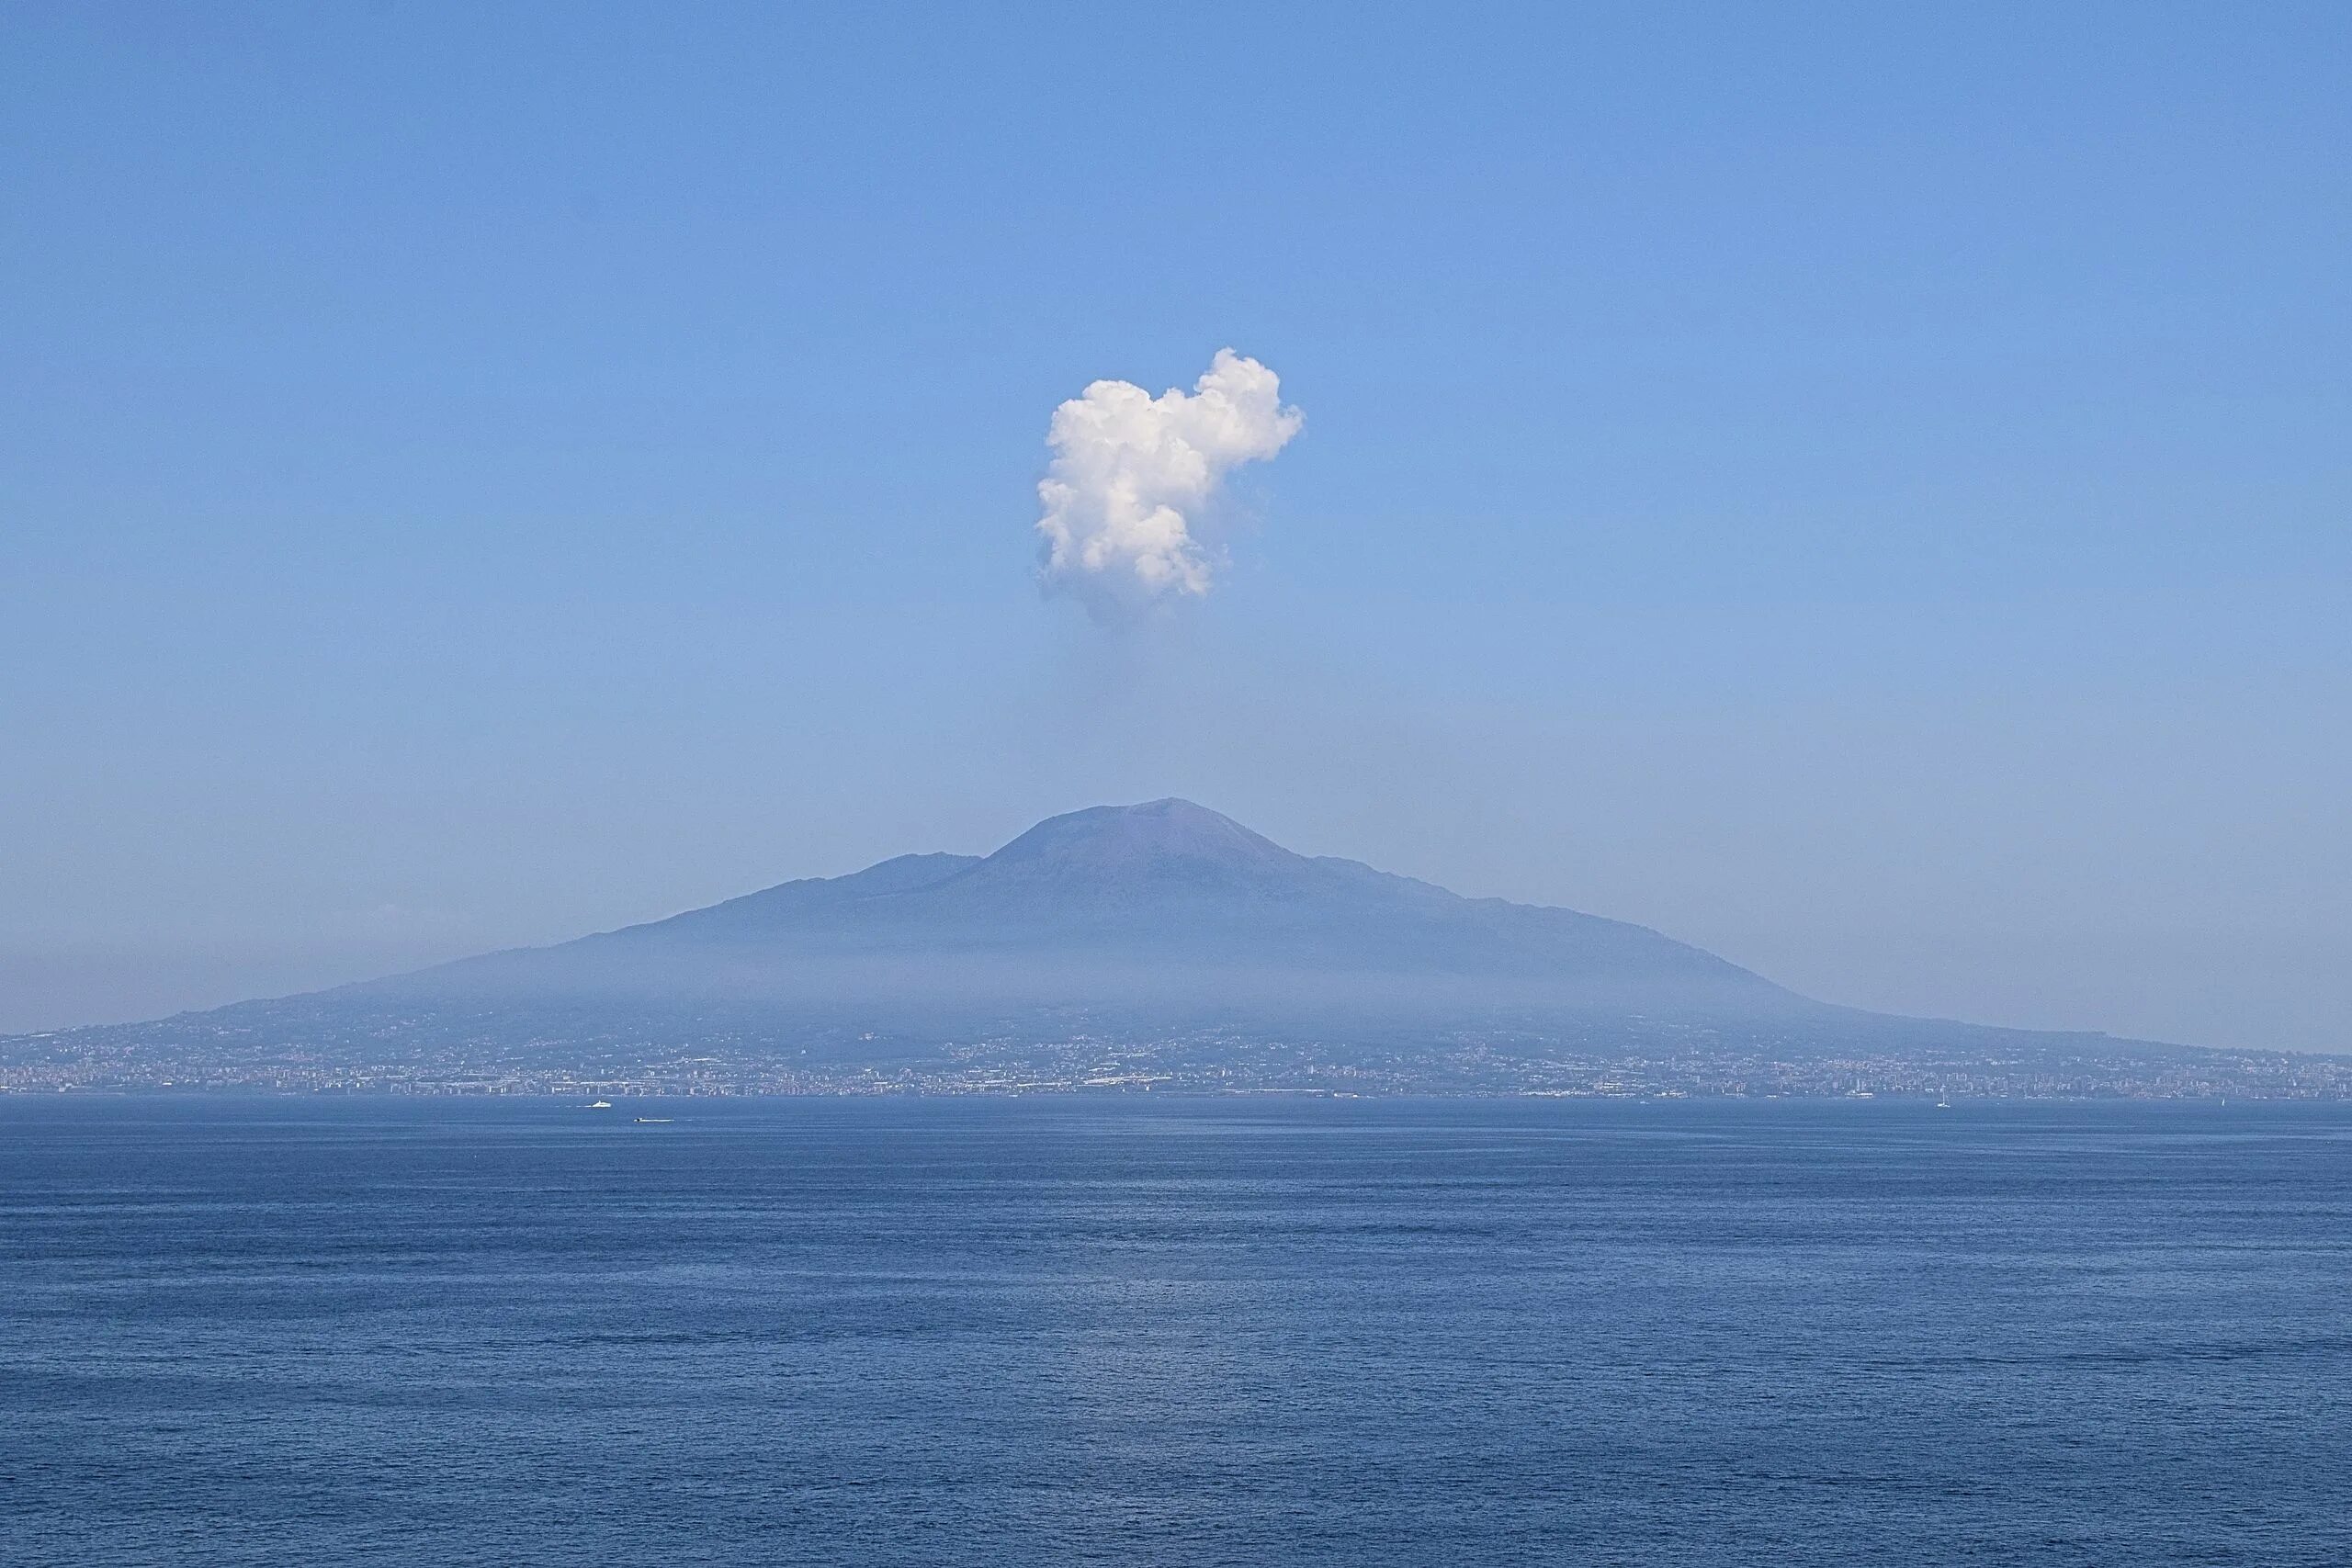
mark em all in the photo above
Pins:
pixel 2098 1069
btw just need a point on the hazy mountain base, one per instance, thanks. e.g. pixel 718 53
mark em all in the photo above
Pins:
pixel 733 1050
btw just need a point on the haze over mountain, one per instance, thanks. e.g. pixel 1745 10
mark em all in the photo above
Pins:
pixel 1164 928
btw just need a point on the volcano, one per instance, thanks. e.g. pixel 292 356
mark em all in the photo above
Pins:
pixel 1141 923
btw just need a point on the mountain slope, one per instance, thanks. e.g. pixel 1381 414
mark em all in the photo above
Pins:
pixel 1164 910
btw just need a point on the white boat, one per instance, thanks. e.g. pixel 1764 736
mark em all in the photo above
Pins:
pixel 653 1121
pixel 600 1105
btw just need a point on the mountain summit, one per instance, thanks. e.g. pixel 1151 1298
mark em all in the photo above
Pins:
pixel 1130 848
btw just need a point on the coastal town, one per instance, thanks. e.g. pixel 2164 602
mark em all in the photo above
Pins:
pixel 1207 1062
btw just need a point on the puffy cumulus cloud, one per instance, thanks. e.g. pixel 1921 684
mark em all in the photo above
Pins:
pixel 1132 475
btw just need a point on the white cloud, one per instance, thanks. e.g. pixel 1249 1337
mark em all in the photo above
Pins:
pixel 1132 475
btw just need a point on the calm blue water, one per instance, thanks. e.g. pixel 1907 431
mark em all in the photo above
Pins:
pixel 294 1332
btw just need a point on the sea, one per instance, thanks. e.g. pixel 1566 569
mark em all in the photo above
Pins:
pixel 1145 1329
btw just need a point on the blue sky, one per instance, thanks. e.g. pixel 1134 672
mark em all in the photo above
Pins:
pixel 1864 488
